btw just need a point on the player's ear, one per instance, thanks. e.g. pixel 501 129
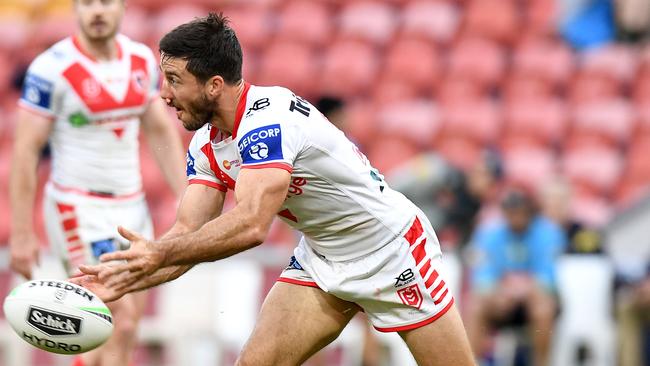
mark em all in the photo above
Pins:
pixel 215 85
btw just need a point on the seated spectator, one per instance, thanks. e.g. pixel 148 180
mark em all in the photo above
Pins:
pixel 452 200
pixel 513 274
pixel 555 200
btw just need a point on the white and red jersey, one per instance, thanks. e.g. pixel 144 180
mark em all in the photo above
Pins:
pixel 336 198
pixel 95 107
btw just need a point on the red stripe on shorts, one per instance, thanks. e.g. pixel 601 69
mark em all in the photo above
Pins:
pixel 297 282
pixel 442 297
pixel 418 324
pixel 74 248
pixel 432 279
pixel 435 291
pixel 419 252
pixel 73 238
pixel 62 207
pixel 414 232
pixel 425 268
pixel 70 224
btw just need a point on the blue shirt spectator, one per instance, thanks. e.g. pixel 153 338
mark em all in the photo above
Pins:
pixel 501 248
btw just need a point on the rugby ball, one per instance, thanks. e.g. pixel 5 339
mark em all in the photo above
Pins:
pixel 58 316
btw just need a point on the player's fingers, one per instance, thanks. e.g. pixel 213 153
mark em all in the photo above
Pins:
pixel 128 281
pixel 113 271
pixel 110 271
pixel 117 280
pixel 128 234
pixel 118 255
pixel 91 270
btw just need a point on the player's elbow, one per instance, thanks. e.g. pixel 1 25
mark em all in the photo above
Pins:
pixel 257 234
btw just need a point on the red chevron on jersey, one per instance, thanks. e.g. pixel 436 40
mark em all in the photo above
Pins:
pixel 95 96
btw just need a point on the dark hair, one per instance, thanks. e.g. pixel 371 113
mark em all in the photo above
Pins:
pixel 328 104
pixel 518 197
pixel 209 45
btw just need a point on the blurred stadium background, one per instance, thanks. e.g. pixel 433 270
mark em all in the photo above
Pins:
pixel 499 93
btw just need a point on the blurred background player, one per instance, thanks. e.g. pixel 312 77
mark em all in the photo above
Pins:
pixel 88 94
pixel 513 275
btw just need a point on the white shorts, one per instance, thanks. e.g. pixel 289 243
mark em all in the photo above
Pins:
pixel 81 228
pixel 400 286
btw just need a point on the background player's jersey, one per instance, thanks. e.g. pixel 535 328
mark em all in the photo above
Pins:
pixel 336 198
pixel 95 107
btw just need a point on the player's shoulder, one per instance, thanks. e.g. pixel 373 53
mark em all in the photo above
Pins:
pixel 266 104
pixel 200 138
pixel 135 48
pixel 54 60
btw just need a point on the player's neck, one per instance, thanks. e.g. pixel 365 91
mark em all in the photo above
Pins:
pixel 104 50
pixel 227 112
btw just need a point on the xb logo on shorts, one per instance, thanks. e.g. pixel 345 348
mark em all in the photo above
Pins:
pixel 261 145
pixel 404 278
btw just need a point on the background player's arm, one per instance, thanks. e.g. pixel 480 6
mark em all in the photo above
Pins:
pixel 31 135
pixel 165 144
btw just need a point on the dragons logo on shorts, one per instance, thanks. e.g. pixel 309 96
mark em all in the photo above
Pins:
pixel 411 296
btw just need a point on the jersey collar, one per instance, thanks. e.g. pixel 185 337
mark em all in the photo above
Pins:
pixel 241 106
pixel 77 45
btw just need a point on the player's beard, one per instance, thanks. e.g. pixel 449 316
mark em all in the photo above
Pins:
pixel 200 111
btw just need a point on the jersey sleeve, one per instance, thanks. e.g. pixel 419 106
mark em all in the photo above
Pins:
pixel 198 168
pixel 270 145
pixel 41 93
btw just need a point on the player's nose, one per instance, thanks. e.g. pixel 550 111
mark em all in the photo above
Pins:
pixel 165 93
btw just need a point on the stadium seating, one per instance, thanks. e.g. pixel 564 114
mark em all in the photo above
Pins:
pixel 529 167
pixel 350 68
pixel 371 21
pixel 415 62
pixel 484 61
pixel 541 120
pixel 297 75
pixel 549 59
pixel 437 21
pixel 479 119
pixel 305 21
pixel 498 20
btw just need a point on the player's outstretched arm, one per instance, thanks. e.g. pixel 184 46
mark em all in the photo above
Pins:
pixel 199 205
pixel 31 134
pixel 165 144
pixel 259 193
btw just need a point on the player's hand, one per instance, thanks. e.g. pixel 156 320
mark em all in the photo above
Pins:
pixel 92 283
pixel 142 259
pixel 24 248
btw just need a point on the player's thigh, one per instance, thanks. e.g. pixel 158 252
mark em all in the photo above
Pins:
pixel 440 343
pixel 294 323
